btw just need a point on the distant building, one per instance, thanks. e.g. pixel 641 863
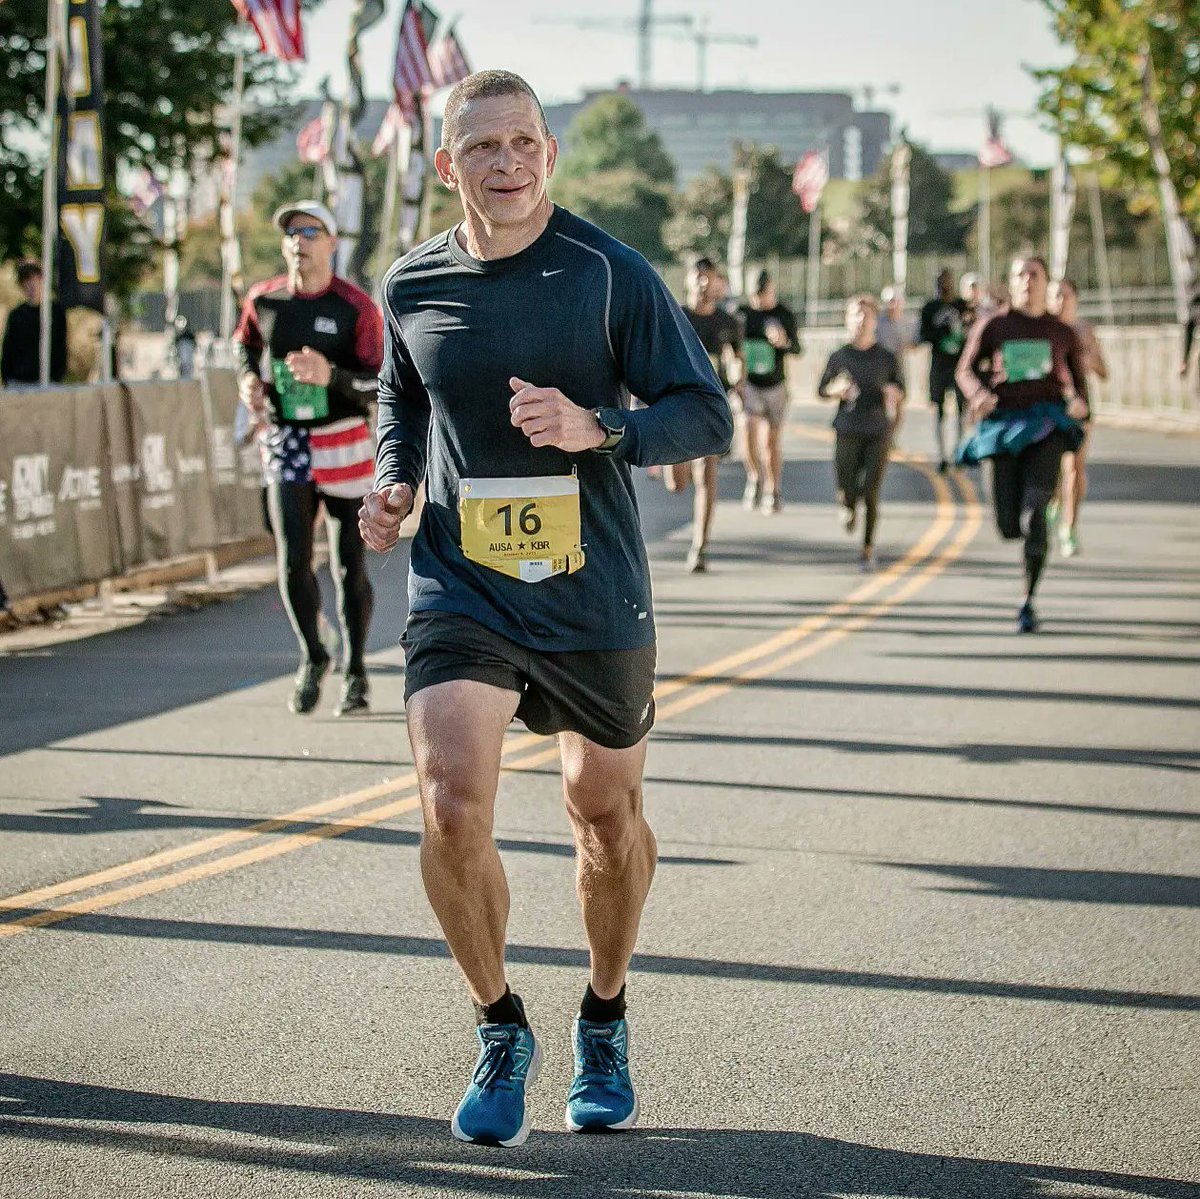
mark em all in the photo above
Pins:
pixel 957 160
pixel 699 129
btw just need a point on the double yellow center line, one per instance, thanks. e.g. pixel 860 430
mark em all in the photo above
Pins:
pixel 876 596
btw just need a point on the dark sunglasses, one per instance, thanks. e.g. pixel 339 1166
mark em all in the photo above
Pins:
pixel 308 232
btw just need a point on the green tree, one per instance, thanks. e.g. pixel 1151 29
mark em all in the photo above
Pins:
pixel 169 68
pixel 933 226
pixel 775 222
pixel 1021 218
pixel 617 174
pixel 1095 101
pixel 702 217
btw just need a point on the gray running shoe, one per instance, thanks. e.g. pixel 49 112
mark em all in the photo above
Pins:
pixel 752 496
pixel 307 692
pixel 355 696
pixel 697 561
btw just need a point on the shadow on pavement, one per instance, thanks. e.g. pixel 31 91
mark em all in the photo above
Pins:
pixel 107 814
pixel 1107 659
pixel 548 955
pixel 1065 886
pixel 937 691
pixel 419 1152
pixel 763 787
pixel 1185 760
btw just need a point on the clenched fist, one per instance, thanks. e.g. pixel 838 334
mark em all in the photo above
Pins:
pixel 381 515
pixel 547 417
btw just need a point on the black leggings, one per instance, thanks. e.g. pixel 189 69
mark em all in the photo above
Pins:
pixel 293 508
pixel 1021 489
pixel 941 381
pixel 860 462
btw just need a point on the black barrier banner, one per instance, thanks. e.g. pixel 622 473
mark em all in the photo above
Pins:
pixel 55 501
pixel 124 470
pixel 81 161
pixel 237 467
pixel 174 481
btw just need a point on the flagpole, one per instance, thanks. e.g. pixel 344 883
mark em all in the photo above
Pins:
pixel 384 248
pixel 1100 247
pixel 985 226
pixel 235 153
pixel 49 190
pixel 814 266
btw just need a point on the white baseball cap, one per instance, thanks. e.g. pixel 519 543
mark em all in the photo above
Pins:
pixel 308 208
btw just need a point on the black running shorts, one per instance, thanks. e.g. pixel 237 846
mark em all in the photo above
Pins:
pixel 605 695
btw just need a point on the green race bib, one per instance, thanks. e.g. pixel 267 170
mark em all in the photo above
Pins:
pixel 952 343
pixel 298 401
pixel 760 356
pixel 1026 360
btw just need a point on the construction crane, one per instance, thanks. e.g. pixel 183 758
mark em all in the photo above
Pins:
pixel 646 24
pixel 643 25
pixel 700 35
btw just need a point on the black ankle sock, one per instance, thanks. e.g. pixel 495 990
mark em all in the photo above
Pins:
pixel 508 1009
pixel 602 1011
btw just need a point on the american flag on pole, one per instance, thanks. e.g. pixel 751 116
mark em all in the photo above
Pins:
pixel 389 130
pixel 277 23
pixel 447 62
pixel 145 191
pixel 993 152
pixel 809 179
pixel 311 142
pixel 411 73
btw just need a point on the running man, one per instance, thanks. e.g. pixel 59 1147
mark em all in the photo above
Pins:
pixel 720 335
pixel 309 347
pixel 942 326
pixel 895 331
pixel 770 334
pixel 512 345
pixel 1025 376
pixel 868 384
pixel 1064 303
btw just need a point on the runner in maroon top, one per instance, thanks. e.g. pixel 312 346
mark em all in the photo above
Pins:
pixel 1023 374
pixel 310 347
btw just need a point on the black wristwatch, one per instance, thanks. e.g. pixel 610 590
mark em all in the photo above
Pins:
pixel 612 421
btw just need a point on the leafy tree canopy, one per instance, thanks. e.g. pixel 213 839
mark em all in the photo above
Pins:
pixel 616 174
pixel 1095 101
pixel 169 70
pixel 933 227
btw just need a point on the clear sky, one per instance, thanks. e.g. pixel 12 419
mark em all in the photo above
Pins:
pixel 950 58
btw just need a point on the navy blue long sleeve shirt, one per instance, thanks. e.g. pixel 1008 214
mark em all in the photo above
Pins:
pixel 576 310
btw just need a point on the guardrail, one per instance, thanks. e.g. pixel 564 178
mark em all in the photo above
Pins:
pixel 99 481
pixel 1144 381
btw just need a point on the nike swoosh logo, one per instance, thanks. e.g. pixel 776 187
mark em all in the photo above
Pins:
pixel 547 274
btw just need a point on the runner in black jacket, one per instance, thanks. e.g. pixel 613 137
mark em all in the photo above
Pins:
pixel 310 347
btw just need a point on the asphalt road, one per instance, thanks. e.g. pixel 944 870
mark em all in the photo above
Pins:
pixel 925 922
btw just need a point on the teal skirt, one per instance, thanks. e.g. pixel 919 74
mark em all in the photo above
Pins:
pixel 1013 431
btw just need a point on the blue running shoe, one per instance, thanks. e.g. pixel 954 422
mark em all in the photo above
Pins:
pixel 602 1095
pixel 493 1111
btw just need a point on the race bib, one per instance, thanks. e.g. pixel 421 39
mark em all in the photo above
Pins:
pixel 1026 360
pixel 760 356
pixel 298 401
pixel 527 529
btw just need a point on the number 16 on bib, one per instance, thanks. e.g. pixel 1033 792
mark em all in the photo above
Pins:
pixel 528 529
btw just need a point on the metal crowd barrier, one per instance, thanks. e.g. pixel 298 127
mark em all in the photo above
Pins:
pixel 97 480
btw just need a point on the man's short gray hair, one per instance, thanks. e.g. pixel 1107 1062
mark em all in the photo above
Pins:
pixel 483 85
